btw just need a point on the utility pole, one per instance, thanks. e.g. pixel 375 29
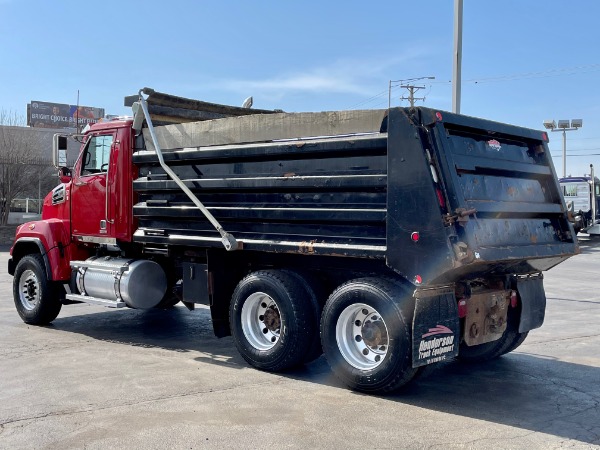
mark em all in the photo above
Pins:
pixel 457 57
pixel 411 90
pixel 411 94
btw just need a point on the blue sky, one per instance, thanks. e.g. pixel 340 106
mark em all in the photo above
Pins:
pixel 524 61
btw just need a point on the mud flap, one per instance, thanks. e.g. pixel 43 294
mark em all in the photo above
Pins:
pixel 436 327
pixel 533 303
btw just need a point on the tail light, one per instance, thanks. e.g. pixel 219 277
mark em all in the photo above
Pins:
pixel 462 308
pixel 440 197
pixel 513 299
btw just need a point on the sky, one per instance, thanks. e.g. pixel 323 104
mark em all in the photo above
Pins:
pixel 523 61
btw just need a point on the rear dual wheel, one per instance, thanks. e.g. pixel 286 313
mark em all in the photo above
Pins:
pixel 366 336
pixel 274 320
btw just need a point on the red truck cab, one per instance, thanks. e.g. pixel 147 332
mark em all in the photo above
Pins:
pixel 92 205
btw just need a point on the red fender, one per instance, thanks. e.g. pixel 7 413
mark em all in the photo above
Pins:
pixel 52 237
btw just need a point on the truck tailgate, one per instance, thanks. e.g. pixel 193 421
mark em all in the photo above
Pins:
pixel 501 201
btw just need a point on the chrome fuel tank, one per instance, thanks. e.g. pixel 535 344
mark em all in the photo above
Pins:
pixel 139 283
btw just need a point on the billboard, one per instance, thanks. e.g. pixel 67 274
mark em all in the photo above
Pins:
pixel 59 115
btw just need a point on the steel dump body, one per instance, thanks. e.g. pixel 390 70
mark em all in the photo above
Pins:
pixel 438 197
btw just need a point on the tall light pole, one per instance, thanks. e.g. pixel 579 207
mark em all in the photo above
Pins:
pixel 564 126
pixel 457 60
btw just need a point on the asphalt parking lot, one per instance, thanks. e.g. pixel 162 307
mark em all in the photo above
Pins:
pixel 98 378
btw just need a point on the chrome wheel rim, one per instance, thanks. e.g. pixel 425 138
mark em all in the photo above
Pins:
pixel 362 336
pixel 29 289
pixel 261 321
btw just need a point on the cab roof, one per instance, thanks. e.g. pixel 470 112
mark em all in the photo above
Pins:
pixel 119 122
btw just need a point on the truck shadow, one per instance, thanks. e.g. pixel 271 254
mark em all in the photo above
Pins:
pixel 525 391
pixel 176 329
pixel 521 390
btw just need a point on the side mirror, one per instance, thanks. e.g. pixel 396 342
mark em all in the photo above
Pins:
pixel 59 151
pixel 64 174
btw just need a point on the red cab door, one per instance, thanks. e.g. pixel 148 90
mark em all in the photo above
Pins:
pixel 91 190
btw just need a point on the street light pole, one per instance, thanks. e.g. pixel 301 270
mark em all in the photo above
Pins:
pixel 564 153
pixel 564 126
pixel 457 60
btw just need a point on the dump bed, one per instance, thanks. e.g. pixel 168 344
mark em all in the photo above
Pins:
pixel 438 196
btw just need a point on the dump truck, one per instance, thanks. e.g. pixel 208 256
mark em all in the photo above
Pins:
pixel 388 240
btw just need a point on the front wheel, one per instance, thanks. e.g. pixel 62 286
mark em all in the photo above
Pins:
pixel 36 297
pixel 366 337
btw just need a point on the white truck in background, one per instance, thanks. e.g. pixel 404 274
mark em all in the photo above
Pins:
pixel 582 196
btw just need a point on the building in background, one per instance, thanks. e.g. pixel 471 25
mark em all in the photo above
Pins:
pixel 26 170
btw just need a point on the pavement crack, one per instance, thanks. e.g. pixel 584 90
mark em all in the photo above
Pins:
pixel 593 399
pixel 468 444
pixel 16 352
pixel 94 408
pixel 563 339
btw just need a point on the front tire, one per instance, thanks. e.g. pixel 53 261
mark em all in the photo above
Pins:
pixel 366 337
pixel 272 320
pixel 36 298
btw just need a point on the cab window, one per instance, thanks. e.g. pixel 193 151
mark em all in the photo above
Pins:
pixel 96 155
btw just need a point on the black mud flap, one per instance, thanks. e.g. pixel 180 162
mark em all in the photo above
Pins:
pixel 533 303
pixel 436 328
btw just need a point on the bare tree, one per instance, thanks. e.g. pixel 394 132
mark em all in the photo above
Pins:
pixel 22 166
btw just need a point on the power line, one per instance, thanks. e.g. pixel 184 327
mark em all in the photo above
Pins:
pixel 369 99
pixel 542 74
pixel 576 149
pixel 584 138
pixel 561 71
pixel 570 154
